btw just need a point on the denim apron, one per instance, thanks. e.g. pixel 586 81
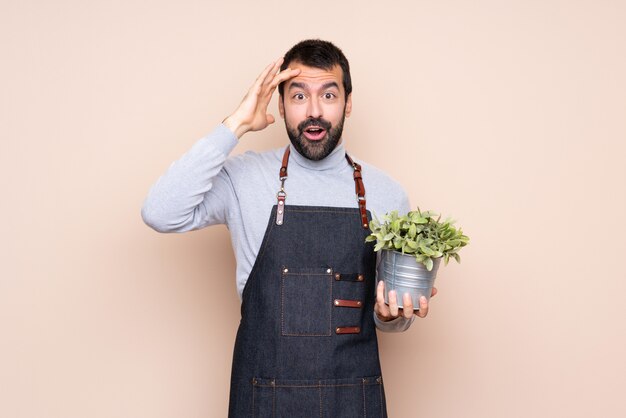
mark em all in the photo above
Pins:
pixel 306 345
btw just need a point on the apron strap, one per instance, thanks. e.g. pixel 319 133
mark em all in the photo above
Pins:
pixel 283 168
pixel 282 195
pixel 358 185
pixel 360 190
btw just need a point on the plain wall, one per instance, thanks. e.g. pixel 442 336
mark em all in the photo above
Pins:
pixel 507 115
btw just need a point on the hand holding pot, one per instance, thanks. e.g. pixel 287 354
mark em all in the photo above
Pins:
pixel 392 311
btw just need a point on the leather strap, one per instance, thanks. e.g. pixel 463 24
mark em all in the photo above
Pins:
pixel 282 195
pixel 283 168
pixel 360 190
pixel 350 277
pixel 345 303
pixel 358 185
pixel 280 212
pixel 347 330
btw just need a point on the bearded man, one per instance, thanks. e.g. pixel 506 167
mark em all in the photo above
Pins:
pixel 306 344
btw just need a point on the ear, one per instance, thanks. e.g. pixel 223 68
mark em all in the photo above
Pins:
pixel 281 106
pixel 349 105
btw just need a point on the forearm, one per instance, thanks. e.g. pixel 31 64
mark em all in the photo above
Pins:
pixel 177 201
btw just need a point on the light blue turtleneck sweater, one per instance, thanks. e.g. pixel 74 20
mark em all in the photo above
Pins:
pixel 206 187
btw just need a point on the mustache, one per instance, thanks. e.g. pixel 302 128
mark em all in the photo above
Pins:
pixel 322 123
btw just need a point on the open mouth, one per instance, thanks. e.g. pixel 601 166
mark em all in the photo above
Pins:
pixel 314 133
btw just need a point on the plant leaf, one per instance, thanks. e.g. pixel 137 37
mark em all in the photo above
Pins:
pixel 379 246
pixel 429 264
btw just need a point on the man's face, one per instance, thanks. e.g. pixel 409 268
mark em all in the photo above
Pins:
pixel 314 106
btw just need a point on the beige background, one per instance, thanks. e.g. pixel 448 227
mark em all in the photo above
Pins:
pixel 508 115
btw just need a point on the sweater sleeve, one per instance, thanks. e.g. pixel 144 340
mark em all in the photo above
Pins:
pixel 195 191
pixel 400 324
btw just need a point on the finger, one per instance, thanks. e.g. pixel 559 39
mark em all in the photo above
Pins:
pixel 270 119
pixel 283 76
pixel 393 303
pixel 380 292
pixel 268 90
pixel 382 313
pixel 423 307
pixel 407 305
pixel 259 80
pixel 273 71
pixel 381 306
pixel 434 292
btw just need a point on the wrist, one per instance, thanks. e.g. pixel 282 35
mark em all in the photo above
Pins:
pixel 238 128
pixel 382 318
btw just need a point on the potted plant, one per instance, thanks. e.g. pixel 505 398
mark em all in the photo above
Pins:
pixel 412 247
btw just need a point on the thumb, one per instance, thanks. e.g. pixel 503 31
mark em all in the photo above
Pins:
pixel 270 119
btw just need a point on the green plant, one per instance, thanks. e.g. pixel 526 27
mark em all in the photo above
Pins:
pixel 419 233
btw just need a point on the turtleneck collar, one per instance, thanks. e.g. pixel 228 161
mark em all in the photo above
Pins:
pixel 335 160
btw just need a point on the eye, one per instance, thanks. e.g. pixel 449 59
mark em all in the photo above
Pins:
pixel 329 96
pixel 298 96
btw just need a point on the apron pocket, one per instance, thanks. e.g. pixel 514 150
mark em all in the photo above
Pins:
pixel 306 301
pixel 331 398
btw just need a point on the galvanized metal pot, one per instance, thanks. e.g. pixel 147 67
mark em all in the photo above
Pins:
pixel 402 273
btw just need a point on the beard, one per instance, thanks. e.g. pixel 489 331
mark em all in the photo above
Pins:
pixel 320 149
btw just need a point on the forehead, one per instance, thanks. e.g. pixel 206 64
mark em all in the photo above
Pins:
pixel 315 77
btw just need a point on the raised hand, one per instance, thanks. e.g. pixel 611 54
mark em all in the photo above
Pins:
pixel 251 115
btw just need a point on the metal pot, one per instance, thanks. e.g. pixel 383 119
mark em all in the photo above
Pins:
pixel 402 273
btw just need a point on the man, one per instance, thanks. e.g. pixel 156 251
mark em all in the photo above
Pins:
pixel 306 344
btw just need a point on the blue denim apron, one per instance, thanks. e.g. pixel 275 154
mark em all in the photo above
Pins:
pixel 306 345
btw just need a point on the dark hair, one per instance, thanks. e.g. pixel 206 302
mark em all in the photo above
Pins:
pixel 318 54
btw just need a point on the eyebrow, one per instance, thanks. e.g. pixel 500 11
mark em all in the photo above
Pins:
pixel 329 85
pixel 298 85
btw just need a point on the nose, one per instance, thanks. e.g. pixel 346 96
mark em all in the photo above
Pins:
pixel 314 109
